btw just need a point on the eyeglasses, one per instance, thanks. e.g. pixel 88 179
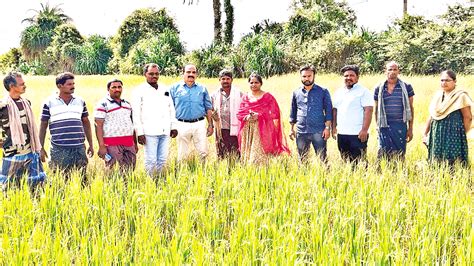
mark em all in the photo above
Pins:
pixel 446 80
pixel 153 74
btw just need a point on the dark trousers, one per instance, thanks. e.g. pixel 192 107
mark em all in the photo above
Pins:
pixel 303 142
pixel 351 148
pixel 228 145
pixel 67 159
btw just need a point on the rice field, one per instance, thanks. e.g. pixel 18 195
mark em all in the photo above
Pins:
pixel 222 212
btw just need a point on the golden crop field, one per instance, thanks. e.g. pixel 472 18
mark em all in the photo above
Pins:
pixel 221 213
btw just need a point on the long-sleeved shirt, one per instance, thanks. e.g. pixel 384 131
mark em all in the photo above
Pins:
pixel 152 110
pixel 190 102
pixel 8 148
pixel 310 109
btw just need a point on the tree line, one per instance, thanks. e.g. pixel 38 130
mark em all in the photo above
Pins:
pixel 320 32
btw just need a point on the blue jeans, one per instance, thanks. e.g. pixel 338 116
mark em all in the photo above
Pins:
pixel 304 140
pixel 156 153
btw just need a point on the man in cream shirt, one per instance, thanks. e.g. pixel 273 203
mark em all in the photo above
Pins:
pixel 154 119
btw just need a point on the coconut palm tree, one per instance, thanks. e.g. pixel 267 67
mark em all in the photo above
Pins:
pixel 39 34
pixel 229 24
pixel 48 18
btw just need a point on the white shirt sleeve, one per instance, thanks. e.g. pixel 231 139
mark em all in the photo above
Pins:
pixel 172 111
pixel 137 112
pixel 100 111
pixel 336 99
pixel 367 99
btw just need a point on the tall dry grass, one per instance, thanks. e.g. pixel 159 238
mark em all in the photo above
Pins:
pixel 219 212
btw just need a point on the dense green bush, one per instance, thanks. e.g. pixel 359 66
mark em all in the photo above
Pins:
pixel 93 56
pixel 209 60
pixel 164 50
pixel 263 54
pixel 10 60
pixel 142 24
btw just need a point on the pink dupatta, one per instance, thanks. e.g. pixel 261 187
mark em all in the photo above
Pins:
pixel 269 123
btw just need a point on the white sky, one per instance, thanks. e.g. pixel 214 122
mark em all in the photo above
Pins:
pixel 195 22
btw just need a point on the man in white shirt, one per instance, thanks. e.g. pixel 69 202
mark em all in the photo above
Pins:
pixel 352 114
pixel 154 119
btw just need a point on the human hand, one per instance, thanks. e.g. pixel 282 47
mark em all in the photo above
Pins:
pixel 210 130
pixel 292 134
pixel 90 151
pixel 43 155
pixel 363 135
pixel 334 132
pixel 142 139
pixel 102 151
pixel 409 135
pixel 425 139
pixel 173 133
pixel 326 134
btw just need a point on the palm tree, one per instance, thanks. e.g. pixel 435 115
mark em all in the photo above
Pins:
pixel 48 18
pixel 39 34
pixel 229 12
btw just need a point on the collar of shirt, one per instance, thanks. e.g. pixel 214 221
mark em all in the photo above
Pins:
pixel 397 85
pixel 314 87
pixel 62 100
pixel 114 101
pixel 223 93
pixel 354 87
pixel 186 85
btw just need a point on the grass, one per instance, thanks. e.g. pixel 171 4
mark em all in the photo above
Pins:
pixel 216 213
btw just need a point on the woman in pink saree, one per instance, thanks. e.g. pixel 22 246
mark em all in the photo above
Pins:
pixel 260 129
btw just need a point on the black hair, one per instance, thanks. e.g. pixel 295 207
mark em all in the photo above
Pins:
pixel 112 81
pixel 354 68
pixel 63 77
pixel 308 68
pixel 257 76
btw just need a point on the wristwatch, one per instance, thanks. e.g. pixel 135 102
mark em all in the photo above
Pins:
pixel 328 127
pixel 211 126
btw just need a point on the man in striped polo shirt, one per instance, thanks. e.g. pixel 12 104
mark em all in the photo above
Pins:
pixel 67 117
pixel 114 128
pixel 394 113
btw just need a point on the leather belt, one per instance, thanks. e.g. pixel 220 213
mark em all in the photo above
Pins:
pixel 191 120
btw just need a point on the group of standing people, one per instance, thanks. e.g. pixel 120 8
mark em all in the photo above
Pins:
pixel 246 125
pixel 352 107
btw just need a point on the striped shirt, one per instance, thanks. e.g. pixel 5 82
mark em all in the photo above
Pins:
pixel 8 148
pixel 65 120
pixel 118 125
pixel 393 102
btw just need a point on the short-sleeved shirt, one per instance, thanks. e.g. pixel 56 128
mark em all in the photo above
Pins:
pixel 190 102
pixel 8 148
pixel 393 103
pixel 118 125
pixel 350 105
pixel 311 109
pixel 65 120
